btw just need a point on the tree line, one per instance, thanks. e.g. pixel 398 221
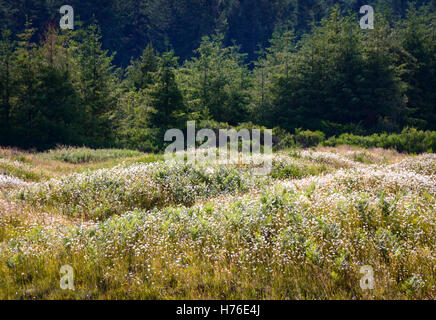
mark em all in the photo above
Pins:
pixel 66 89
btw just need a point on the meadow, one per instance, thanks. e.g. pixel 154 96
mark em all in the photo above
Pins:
pixel 133 226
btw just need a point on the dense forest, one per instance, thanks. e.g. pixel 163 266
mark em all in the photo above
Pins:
pixel 132 69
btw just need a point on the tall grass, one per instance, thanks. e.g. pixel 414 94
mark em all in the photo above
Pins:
pixel 410 140
pixel 86 155
pixel 217 233
pixel 102 193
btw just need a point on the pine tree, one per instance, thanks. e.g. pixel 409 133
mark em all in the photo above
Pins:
pixel 275 65
pixel 383 88
pixel 340 77
pixel 419 40
pixel 139 74
pixel 216 82
pixel 23 111
pixel 97 86
pixel 166 98
pixel 6 83
pixel 44 109
pixel 58 117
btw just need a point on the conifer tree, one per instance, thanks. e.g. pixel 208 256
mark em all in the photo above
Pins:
pixel 6 83
pixel 166 99
pixel 419 40
pixel 216 82
pixel 139 74
pixel 23 110
pixel 97 85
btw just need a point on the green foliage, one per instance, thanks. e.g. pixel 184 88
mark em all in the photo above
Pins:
pixel 337 74
pixel 44 104
pixel 283 139
pixel 19 170
pixel 283 170
pixel 309 138
pixel 215 82
pixel 86 155
pixel 418 38
pixel 57 92
pixel 6 66
pixel 97 86
pixel 139 74
pixel 132 122
pixel 331 77
pixel 166 98
pixel 410 140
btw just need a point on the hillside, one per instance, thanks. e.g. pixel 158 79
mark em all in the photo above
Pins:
pixel 127 26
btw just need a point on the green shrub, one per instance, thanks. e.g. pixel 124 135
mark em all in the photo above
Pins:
pixel 410 140
pixel 142 139
pixel 282 139
pixel 309 138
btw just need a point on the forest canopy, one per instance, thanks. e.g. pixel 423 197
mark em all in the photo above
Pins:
pixel 131 70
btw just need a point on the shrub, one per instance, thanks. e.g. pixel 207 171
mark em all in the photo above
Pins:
pixel 282 139
pixel 410 140
pixel 309 138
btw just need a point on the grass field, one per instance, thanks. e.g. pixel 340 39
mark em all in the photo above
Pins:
pixel 133 226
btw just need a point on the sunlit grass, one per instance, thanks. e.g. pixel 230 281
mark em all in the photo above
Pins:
pixel 86 155
pixel 302 232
